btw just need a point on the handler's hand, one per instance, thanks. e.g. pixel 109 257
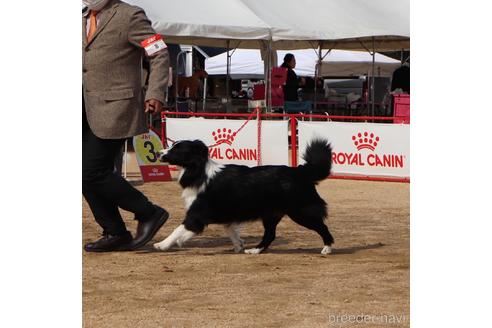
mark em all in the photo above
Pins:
pixel 153 106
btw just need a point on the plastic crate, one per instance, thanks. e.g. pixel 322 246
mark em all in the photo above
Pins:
pixel 252 104
pixel 258 91
pixel 402 120
pixel 298 106
pixel 401 109
pixel 182 106
pixel 402 98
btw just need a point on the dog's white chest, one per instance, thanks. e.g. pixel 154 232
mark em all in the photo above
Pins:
pixel 189 195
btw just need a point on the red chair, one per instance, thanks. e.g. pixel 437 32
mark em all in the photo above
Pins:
pixel 279 75
pixel 279 78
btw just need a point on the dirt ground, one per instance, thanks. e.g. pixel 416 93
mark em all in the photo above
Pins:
pixel 205 284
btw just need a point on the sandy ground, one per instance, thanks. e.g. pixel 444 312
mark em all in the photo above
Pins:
pixel 205 284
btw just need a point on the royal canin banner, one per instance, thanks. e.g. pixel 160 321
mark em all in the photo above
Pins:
pixel 235 141
pixel 369 149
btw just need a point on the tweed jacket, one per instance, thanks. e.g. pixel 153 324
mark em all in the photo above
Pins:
pixel 112 84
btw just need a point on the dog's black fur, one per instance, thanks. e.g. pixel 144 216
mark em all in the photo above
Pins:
pixel 236 193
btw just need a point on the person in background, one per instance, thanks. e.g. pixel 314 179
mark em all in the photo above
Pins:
pixel 401 79
pixel 293 82
pixel 113 109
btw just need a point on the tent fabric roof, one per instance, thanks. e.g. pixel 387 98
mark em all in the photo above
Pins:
pixel 248 63
pixel 340 23
pixel 346 63
pixel 206 23
pixel 290 24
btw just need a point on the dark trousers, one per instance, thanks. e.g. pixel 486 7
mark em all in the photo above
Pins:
pixel 118 161
pixel 104 190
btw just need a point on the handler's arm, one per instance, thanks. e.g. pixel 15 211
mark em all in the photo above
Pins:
pixel 140 29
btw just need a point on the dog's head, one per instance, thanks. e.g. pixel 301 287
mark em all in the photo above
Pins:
pixel 186 153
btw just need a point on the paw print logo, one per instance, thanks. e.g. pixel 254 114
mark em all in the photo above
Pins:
pixel 365 140
pixel 223 135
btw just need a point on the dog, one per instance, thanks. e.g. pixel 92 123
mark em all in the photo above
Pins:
pixel 191 82
pixel 233 194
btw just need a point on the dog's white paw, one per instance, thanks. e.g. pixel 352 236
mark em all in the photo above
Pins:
pixel 326 250
pixel 253 250
pixel 162 246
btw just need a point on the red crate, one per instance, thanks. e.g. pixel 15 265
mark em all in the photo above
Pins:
pixel 258 91
pixel 402 98
pixel 401 109
pixel 402 119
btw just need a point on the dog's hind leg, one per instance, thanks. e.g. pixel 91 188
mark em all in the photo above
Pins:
pixel 234 231
pixel 270 225
pixel 312 218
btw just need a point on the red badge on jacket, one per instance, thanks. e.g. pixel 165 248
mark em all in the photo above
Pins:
pixel 153 44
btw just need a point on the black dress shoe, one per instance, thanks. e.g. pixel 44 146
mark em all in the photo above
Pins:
pixel 146 230
pixel 109 243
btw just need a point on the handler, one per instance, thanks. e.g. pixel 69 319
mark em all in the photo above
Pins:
pixel 114 109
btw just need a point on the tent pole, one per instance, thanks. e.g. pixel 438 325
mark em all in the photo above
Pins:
pixel 317 69
pixel 269 104
pixel 176 88
pixel 228 73
pixel 372 83
pixel 265 72
pixel 270 64
pixel 204 93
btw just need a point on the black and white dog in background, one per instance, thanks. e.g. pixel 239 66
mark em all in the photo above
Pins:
pixel 232 194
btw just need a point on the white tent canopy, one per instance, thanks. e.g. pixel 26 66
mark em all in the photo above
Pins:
pixel 288 24
pixel 205 23
pixel 247 63
pixel 340 24
pixel 371 25
pixel 346 63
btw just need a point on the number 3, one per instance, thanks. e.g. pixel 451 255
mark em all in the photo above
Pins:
pixel 148 144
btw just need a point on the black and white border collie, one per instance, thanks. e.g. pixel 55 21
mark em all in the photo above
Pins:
pixel 233 194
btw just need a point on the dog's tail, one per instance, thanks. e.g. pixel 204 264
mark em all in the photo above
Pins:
pixel 318 160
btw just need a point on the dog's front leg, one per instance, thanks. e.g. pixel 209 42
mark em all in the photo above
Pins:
pixel 179 236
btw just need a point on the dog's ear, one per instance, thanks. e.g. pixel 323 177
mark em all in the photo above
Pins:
pixel 201 149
